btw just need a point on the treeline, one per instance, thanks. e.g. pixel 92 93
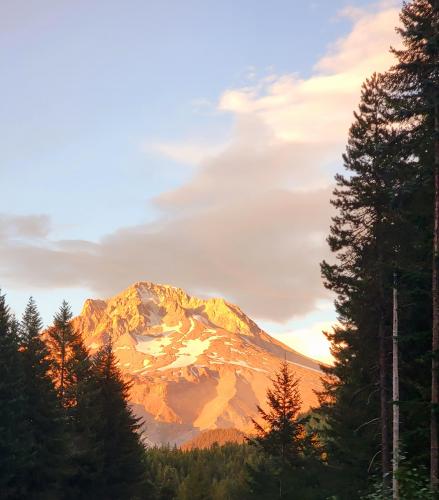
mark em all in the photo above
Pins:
pixel 218 436
pixel 66 430
pixel 385 237
pixel 214 473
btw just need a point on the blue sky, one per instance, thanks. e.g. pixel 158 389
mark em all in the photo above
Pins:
pixel 117 116
pixel 85 83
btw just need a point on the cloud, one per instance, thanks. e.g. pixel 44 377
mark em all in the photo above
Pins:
pixel 255 162
pixel 242 251
pixel 24 226
pixel 189 153
pixel 365 48
pixel 251 223
pixel 318 109
pixel 310 341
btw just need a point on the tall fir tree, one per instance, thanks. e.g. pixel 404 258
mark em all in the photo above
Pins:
pixel 61 341
pixel 364 236
pixel 46 436
pixel 288 452
pixel 282 433
pixel 75 383
pixel 416 82
pixel 120 453
pixel 15 454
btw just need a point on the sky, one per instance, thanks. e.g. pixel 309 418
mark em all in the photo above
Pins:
pixel 186 143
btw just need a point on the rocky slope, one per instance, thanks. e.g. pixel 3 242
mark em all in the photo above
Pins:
pixel 195 364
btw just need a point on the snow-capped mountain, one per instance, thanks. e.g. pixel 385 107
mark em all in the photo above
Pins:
pixel 194 364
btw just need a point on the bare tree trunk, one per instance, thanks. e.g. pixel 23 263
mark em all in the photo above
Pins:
pixel 384 404
pixel 395 394
pixel 383 378
pixel 435 304
pixel 435 292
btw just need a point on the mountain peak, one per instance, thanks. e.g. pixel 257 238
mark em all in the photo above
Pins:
pixel 195 363
pixel 158 303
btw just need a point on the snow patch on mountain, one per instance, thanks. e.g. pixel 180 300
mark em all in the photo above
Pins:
pixel 149 344
pixel 188 353
pixel 176 328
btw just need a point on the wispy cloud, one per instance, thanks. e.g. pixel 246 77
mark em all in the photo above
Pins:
pixel 318 109
pixel 188 153
pixel 24 226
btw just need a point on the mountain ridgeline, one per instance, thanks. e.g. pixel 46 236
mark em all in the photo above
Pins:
pixel 194 364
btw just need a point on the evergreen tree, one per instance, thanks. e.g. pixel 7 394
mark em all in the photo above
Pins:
pixel 75 383
pixel 288 452
pixel 62 340
pixel 14 451
pixel 365 234
pixel 416 84
pixel 120 453
pixel 46 437
pixel 282 433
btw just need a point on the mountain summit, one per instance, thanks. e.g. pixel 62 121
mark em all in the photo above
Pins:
pixel 195 364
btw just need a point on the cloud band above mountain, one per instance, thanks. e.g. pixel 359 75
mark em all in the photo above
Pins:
pixel 251 223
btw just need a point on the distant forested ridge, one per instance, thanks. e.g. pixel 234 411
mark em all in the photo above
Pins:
pixel 207 439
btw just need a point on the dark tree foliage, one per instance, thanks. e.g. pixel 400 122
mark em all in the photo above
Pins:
pixel 75 383
pixel 364 236
pixel 282 434
pixel 289 454
pixel 215 473
pixel 105 455
pixel 120 453
pixel 15 454
pixel 46 434
pixel 415 81
pixel 70 361
pixel 66 430
pixel 384 225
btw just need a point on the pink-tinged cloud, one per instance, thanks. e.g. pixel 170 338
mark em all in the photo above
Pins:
pixel 310 340
pixel 251 223
pixel 24 226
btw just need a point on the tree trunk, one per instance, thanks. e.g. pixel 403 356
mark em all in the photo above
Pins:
pixel 395 394
pixel 435 304
pixel 384 404
pixel 435 292
pixel 383 377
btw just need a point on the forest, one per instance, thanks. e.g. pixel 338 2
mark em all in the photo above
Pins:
pixel 66 427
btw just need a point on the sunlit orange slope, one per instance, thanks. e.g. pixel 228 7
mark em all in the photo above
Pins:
pixel 195 364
